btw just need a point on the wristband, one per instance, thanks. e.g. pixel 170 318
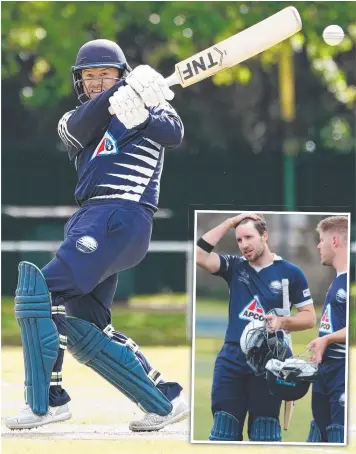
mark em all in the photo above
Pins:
pixel 207 247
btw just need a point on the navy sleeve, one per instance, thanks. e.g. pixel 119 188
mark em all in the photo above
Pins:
pixel 79 127
pixel 226 267
pixel 299 291
pixel 164 126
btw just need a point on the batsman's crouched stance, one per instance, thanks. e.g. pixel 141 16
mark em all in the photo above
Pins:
pixel 117 149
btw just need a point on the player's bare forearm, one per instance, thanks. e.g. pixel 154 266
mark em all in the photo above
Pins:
pixel 210 261
pixel 214 235
pixel 338 336
pixel 304 319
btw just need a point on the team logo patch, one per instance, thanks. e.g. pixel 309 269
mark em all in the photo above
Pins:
pixel 244 277
pixel 341 296
pixel 253 311
pixel 306 292
pixel 276 287
pixel 326 322
pixel 86 244
pixel 107 146
pixel 342 400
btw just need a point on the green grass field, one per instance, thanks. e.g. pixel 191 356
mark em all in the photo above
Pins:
pixel 101 414
pixel 141 320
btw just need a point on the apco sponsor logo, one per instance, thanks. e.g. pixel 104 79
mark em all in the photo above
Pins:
pixel 107 146
pixel 86 244
pixel 341 296
pixel 325 322
pixel 253 311
pixel 202 62
pixel 276 287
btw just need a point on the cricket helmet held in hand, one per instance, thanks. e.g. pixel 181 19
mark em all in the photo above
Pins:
pixel 259 346
pixel 98 53
pixel 290 379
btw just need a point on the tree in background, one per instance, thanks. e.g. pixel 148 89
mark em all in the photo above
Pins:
pixel 39 39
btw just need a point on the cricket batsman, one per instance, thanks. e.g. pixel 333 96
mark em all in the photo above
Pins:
pixel 116 140
pixel 255 289
pixel 329 348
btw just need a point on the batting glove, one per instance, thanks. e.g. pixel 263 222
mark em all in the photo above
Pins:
pixel 150 85
pixel 129 108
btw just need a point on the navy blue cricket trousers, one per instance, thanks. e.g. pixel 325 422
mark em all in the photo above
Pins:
pixel 327 407
pixel 101 239
pixel 238 391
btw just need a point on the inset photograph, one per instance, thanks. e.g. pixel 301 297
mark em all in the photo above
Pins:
pixel 270 328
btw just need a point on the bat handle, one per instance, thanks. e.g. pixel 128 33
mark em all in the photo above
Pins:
pixel 172 80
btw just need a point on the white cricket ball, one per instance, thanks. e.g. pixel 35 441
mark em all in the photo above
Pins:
pixel 333 35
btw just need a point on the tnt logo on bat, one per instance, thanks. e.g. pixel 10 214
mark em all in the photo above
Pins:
pixel 203 62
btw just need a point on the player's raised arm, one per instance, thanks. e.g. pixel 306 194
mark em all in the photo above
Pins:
pixel 165 126
pixel 205 258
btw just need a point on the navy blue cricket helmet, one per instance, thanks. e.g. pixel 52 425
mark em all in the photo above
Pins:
pixel 290 379
pixel 99 53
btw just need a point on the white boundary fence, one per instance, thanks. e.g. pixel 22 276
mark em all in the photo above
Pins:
pixel 155 246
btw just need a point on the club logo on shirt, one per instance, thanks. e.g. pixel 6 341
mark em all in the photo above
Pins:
pixel 341 296
pixel 253 311
pixel 244 277
pixel 107 146
pixel 306 293
pixel 325 322
pixel 276 287
pixel 342 400
pixel 86 244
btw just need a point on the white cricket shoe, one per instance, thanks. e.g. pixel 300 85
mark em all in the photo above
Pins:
pixel 152 421
pixel 26 419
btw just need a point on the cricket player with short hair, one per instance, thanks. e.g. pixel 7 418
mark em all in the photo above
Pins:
pixel 116 139
pixel 255 287
pixel 329 348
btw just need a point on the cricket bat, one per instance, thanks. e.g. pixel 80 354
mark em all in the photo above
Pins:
pixel 237 48
pixel 288 405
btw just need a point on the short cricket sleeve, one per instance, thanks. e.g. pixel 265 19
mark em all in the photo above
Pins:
pixel 227 263
pixel 299 291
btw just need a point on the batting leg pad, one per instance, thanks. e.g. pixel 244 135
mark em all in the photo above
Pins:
pixel 117 363
pixel 225 427
pixel 314 433
pixel 39 335
pixel 335 433
pixel 265 429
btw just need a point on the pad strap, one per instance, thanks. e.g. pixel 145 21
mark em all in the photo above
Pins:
pixel 117 363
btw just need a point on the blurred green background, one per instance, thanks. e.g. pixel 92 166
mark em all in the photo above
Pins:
pixel 275 132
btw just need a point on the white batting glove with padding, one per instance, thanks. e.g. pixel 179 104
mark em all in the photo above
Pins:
pixel 150 85
pixel 129 108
